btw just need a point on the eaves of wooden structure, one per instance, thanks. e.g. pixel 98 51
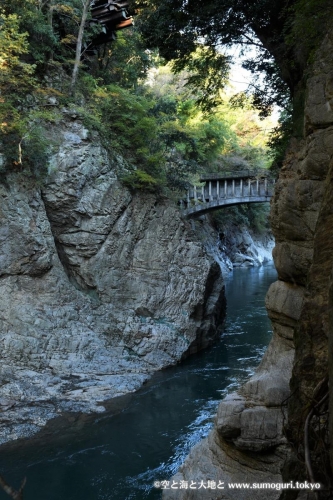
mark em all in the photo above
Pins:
pixel 112 16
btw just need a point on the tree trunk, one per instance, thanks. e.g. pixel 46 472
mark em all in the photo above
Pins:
pixel 50 8
pixel 85 11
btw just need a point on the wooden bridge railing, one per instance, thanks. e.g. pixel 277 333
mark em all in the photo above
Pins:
pixel 238 174
pixel 226 189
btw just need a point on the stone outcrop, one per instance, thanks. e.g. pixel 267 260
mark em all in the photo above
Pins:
pixel 99 287
pixel 236 246
pixel 247 249
pixel 249 440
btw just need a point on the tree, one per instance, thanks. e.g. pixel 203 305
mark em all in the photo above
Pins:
pixel 78 52
pixel 16 78
pixel 125 62
pixel 178 27
pixel 34 19
pixel 15 74
pixel 272 28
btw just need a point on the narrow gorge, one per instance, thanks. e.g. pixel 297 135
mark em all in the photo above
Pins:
pixel 105 281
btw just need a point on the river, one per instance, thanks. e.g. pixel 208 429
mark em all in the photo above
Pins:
pixel 145 436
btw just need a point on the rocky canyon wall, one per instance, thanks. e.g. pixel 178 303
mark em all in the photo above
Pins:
pixel 254 439
pixel 304 259
pixel 235 246
pixel 99 287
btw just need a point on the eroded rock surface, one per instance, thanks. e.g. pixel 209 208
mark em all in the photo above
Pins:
pixel 236 246
pixel 99 288
pixel 303 226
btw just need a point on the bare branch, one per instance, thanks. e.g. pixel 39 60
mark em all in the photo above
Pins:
pixel 307 454
pixel 16 495
pixel 251 42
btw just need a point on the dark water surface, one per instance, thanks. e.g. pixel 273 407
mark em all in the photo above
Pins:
pixel 118 457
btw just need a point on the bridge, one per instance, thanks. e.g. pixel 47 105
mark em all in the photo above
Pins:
pixel 219 190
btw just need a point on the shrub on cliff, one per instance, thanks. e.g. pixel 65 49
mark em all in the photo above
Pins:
pixel 140 180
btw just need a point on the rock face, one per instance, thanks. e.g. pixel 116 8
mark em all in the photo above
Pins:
pixel 244 248
pixel 248 443
pixel 236 247
pixel 308 261
pixel 99 288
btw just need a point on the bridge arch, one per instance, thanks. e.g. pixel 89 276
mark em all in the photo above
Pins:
pixel 222 190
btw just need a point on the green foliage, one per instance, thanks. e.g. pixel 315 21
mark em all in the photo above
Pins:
pixel 22 97
pixel 176 27
pixel 157 127
pixel 15 75
pixel 16 79
pixel 306 24
pixel 140 180
pixel 208 71
pixel 279 139
pixel 282 36
pixel 259 217
pixel 254 216
pixel 126 125
pixel 33 20
pixel 36 150
pixel 272 91
pixel 165 134
pixel 125 62
pixel 229 216
pixel 25 144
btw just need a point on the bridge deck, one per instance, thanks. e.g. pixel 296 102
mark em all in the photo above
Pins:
pixel 223 190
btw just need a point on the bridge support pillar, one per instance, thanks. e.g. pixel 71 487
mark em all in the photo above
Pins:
pixel 203 194
pixel 225 188
pixel 233 187
pixel 195 195
pixel 258 188
pixel 266 191
pixel 210 190
pixel 241 188
pixel 217 189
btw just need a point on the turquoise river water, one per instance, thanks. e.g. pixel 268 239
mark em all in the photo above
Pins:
pixel 145 436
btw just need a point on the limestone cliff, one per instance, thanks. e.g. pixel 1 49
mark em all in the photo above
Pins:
pixel 254 439
pixel 99 287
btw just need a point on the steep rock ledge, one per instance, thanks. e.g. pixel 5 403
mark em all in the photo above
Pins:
pixel 248 442
pixel 313 167
pixel 99 288
pixel 236 247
